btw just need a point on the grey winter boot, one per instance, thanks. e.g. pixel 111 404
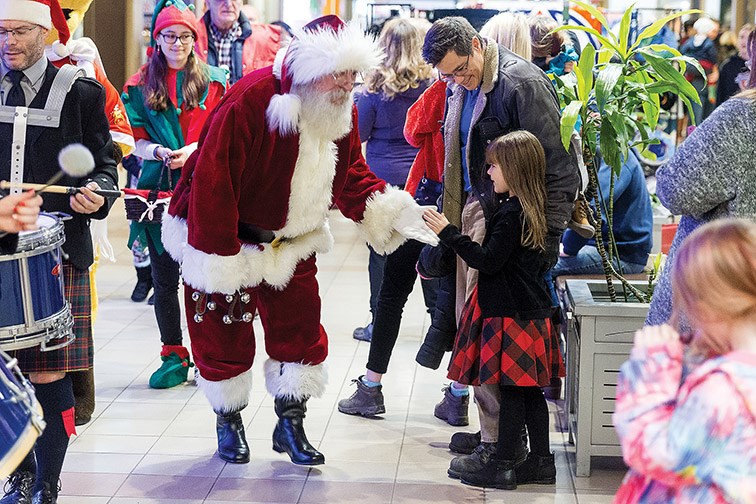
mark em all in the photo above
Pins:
pixel 452 409
pixel 366 401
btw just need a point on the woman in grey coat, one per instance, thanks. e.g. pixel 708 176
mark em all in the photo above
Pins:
pixel 712 175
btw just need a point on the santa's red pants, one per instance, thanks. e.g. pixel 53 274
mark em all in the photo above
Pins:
pixel 290 319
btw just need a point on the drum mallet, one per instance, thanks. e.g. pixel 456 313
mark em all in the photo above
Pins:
pixel 56 189
pixel 76 161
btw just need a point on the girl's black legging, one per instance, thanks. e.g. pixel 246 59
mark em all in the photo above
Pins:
pixel 522 406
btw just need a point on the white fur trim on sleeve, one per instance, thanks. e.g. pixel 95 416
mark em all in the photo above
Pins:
pixel 283 113
pixel 229 395
pixel 381 211
pixel 295 380
pixel 174 236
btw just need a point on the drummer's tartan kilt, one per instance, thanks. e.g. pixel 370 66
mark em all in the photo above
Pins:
pixel 79 355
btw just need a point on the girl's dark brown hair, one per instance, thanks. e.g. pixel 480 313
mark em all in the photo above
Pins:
pixel 196 80
pixel 520 157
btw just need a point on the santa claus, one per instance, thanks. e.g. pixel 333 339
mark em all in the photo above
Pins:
pixel 251 212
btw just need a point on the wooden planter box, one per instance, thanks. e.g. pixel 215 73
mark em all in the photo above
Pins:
pixel 599 336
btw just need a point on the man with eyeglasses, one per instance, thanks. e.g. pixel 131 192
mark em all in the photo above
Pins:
pixel 491 92
pixel 250 213
pixel 30 140
pixel 227 38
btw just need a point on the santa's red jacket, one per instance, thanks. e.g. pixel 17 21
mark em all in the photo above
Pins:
pixel 247 170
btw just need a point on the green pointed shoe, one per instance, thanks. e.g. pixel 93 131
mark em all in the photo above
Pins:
pixel 175 367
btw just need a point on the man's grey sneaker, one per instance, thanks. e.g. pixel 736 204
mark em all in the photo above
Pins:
pixel 363 333
pixel 366 401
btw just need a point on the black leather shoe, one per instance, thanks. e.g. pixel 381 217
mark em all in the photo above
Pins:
pixel 539 470
pixel 289 435
pixel 464 443
pixel 494 474
pixel 232 443
pixel 18 488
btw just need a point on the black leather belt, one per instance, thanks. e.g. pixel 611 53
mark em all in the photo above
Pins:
pixel 249 233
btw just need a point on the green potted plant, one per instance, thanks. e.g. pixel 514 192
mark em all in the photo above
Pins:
pixel 615 102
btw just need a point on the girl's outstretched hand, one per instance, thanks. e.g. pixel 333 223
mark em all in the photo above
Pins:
pixel 656 335
pixel 436 221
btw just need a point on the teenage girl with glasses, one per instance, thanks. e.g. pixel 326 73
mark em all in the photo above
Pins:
pixel 168 102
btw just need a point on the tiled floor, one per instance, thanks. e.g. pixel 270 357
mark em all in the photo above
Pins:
pixel 148 446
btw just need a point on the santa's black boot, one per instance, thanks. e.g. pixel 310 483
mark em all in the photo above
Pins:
pixel 289 435
pixel 232 443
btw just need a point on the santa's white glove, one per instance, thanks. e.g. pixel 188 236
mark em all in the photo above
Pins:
pixel 411 224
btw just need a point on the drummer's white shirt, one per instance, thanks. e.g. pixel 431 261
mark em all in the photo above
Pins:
pixel 34 77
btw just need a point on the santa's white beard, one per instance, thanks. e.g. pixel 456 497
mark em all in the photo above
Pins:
pixel 327 115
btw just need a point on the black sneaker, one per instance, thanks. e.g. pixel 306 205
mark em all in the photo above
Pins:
pixel 366 401
pixel 18 488
pixel 464 442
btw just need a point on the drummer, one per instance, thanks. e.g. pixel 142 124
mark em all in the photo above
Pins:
pixel 18 213
pixel 26 80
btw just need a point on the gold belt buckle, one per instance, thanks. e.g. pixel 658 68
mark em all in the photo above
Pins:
pixel 277 241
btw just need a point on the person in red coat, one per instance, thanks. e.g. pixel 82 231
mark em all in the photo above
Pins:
pixel 251 211
pixel 422 129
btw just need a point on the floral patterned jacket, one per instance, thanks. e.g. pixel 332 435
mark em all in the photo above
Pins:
pixel 694 443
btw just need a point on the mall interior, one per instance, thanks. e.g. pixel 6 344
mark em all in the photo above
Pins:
pixel 145 445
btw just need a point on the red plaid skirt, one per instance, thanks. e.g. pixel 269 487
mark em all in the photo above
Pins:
pixel 79 355
pixel 504 350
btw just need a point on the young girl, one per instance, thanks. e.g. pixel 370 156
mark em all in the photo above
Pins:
pixel 696 442
pixel 505 335
pixel 168 102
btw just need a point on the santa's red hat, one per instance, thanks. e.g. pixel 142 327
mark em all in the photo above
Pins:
pixel 45 13
pixel 323 46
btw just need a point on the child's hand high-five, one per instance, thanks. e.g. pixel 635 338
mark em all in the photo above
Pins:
pixel 436 221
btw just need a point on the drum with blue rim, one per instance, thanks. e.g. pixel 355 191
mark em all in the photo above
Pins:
pixel 33 307
pixel 20 416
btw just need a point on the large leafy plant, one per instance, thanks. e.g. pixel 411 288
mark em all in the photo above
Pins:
pixel 616 102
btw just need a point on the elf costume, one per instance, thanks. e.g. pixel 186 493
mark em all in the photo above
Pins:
pixel 175 127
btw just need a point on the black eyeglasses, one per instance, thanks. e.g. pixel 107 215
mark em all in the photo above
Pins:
pixel 459 72
pixel 171 38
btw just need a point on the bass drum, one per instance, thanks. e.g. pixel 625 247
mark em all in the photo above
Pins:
pixel 21 420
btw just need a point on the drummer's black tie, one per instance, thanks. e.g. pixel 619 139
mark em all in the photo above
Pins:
pixel 16 97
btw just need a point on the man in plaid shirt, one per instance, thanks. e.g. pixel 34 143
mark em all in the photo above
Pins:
pixel 228 39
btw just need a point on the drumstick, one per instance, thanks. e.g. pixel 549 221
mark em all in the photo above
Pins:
pixel 4 184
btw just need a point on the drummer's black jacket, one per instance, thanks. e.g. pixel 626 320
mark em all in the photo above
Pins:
pixel 83 120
